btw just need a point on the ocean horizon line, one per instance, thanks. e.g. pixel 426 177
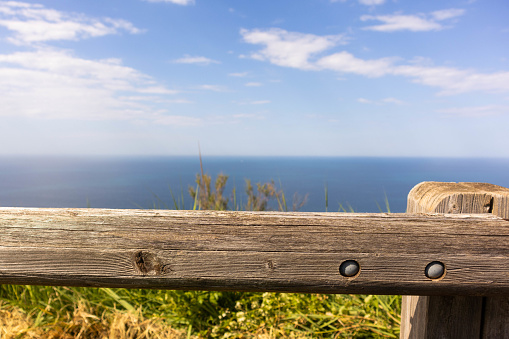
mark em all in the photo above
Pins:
pixel 247 156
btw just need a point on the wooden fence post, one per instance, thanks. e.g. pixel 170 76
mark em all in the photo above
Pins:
pixel 456 316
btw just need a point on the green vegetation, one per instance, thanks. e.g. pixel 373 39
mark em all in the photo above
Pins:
pixel 259 199
pixel 64 312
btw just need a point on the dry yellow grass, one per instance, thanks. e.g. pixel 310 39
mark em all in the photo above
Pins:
pixel 14 323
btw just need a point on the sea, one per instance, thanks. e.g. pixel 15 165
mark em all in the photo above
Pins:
pixel 360 184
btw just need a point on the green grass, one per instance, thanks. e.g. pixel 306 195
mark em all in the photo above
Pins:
pixel 212 314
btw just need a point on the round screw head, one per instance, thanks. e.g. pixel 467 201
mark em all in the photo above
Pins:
pixel 349 268
pixel 435 270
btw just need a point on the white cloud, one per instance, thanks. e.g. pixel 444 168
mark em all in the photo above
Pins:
pixel 476 111
pixel 179 101
pixel 450 80
pixel 414 23
pixel 447 13
pixel 155 99
pixel 107 73
pixel 214 88
pixel 156 90
pixel 455 81
pixel 253 84
pixel 346 63
pixel 381 102
pixel 372 2
pixel 393 23
pixel 289 49
pixel 255 102
pixel 33 23
pixel 49 84
pixel 200 60
pixel 240 75
pixel 178 120
pixel 393 101
pixel 178 2
pixel 248 116
pixel 364 2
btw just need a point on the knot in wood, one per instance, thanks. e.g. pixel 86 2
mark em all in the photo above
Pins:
pixel 147 263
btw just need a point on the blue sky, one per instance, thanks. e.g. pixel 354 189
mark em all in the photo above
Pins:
pixel 244 77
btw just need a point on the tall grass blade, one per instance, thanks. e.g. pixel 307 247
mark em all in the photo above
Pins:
pixel 386 202
pixel 196 197
pixel 117 298
pixel 283 198
pixel 388 208
pixel 326 198
pixel 160 202
pixel 181 195
pixel 234 194
pixel 175 204
pixel 137 205
pixel 349 208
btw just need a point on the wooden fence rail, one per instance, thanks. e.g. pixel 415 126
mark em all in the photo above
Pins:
pixel 292 252
pixel 411 254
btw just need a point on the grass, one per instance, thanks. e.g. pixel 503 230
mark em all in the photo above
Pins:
pixel 65 312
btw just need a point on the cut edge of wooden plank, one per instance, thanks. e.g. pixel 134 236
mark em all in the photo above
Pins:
pixel 461 197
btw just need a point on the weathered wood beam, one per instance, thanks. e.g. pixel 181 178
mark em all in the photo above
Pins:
pixel 254 251
pixel 456 316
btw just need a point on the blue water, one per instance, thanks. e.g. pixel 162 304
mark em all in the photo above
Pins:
pixel 143 182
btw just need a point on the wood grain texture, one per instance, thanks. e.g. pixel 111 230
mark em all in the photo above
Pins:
pixel 456 317
pixel 414 316
pixel 462 197
pixel 254 251
pixel 441 317
pixel 496 317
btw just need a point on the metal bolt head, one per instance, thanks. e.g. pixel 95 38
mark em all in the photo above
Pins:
pixel 349 268
pixel 435 270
